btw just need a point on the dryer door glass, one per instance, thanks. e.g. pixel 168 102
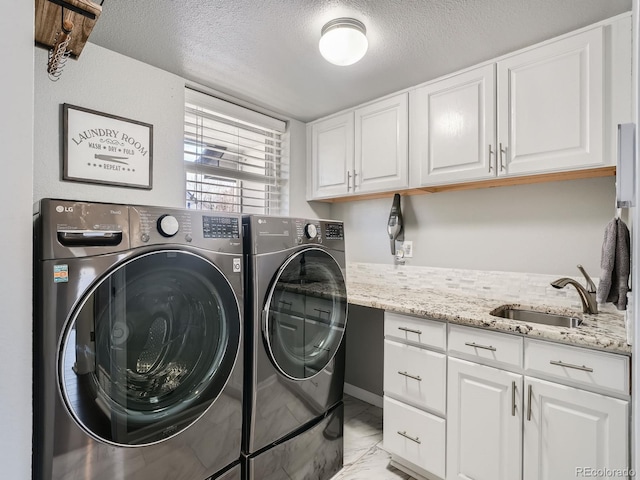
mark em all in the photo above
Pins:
pixel 150 348
pixel 306 313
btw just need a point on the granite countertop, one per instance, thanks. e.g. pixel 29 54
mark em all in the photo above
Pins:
pixel 604 331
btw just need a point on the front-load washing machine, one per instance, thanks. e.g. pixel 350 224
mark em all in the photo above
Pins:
pixel 137 334
pixel 296 313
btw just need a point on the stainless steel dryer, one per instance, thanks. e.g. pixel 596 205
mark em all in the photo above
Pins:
pixel 296 313
pixel 137 334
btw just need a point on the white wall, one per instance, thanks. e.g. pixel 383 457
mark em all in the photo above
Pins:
pixel 545 228
pixel 108 82
pixel 16 138
pixel 635 251
pixel 298 206
pixel 111 83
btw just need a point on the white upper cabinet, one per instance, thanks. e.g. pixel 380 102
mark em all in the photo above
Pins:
pixel 361 151
pixel 550 106
pixel 332 156
pixel 453 129
pixel 381 144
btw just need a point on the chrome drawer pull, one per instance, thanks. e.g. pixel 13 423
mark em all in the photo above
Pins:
pixel 475 345
pixel 405 329
pixel 530 397
pixel 560 363
pixel 513 399
pixel 404 434
pixel 415 377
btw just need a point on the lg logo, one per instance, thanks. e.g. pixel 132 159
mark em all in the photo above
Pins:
pixel 61 209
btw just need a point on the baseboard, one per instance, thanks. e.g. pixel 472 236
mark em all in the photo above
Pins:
pixel 412 472
pixel 363 395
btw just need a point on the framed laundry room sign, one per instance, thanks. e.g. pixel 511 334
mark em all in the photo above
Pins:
pixel 106 149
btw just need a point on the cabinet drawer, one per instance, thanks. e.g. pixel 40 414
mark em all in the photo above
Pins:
pixel 415 375
pixel 481 346
pixel 577 366
pixel 419 331
pixel 414 435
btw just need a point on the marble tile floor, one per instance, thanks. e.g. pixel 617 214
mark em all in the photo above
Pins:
pixel 364 457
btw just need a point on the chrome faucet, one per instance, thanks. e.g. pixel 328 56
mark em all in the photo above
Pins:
pixel 587 295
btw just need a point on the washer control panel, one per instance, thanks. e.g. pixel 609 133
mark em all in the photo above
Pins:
pixel 220 227
pixel 164 225
pixel 148 222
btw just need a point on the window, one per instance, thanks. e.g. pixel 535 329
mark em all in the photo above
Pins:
pixel 235 158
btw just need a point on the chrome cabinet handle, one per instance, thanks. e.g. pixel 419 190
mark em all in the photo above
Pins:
pixel 502 151
pixel 490 153
pixel 404 434
pixel 354 179
pixel 476 345
pixel 415 377
pixel 348 180
pixel 529 400
pixel 513 399
pixel 409 330
pixel 560 363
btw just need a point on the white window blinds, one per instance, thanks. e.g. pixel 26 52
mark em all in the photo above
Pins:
pixel 234 157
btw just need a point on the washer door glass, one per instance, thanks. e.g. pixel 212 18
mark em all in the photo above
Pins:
pixel 149 348
pixel 306 313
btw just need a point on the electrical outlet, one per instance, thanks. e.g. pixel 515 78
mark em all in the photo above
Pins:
pixel 407 247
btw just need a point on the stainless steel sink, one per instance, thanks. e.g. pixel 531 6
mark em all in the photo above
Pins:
pixel 535 316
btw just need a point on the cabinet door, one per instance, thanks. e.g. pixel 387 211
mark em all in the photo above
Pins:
pixel 570 432
pixel 381 144
pixel 484 435
pixel 453 129
pixel 332 156
pixel 550 106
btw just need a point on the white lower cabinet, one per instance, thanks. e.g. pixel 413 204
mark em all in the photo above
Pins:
pixel 464 403
pixel 484 421
pixel 571 433
pixel 415 436
pixel 415 381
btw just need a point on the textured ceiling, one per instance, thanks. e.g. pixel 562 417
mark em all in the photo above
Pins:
pixel 266 51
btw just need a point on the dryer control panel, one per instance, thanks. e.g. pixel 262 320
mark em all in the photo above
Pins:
pixel 317 231
pixel 268 234
pixel 307 231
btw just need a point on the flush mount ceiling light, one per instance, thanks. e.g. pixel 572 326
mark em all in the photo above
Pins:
pixel 343 41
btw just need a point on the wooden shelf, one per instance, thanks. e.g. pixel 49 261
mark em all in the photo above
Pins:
pixel 497 182
pixel 48 23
